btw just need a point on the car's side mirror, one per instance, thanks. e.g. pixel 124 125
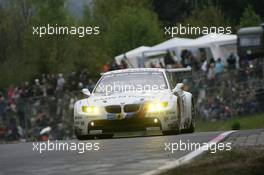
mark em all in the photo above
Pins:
pixel 86 92
pixel 178 88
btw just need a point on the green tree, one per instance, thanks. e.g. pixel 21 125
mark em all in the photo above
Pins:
pixel 90 53
pixel 104 10
pixel 124 25
pixel 131 28
pixel 50 53
pixel 206 16
pixel 249 18
pixel 15 16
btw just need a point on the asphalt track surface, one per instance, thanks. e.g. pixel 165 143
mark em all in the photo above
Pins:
pixel 122 156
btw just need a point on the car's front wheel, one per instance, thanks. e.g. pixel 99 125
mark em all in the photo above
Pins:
pixel 177 124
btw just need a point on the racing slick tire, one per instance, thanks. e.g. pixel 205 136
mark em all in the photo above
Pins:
pixel 105 136
pixel 192 124
pixel 84 137
pixel 176 131
pixel 171 132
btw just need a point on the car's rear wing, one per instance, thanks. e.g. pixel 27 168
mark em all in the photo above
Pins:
pixel 188 69
pixel 180 74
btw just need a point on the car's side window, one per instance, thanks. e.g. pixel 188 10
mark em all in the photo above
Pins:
pixel 172 80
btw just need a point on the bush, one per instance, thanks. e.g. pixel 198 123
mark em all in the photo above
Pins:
pixel 236 126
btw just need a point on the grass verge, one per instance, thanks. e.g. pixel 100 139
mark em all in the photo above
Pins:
pixel 241 161
pixel 246 122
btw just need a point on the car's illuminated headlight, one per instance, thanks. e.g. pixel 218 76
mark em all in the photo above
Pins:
pixel 90 109
pixel 156 106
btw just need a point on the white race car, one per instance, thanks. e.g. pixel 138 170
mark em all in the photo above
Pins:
pixel 138 99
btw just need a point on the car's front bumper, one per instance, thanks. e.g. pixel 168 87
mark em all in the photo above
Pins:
pixel 105 124
pixel 132 124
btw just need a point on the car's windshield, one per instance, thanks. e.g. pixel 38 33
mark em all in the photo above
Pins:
pixel 131 81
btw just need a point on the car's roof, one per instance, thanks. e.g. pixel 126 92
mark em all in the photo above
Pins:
pixel 135 70
pixel 188 69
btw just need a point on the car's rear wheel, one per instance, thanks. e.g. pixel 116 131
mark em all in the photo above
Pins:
pixel 171 132
pixel 105 136
pixel 193 113
pixel 84 137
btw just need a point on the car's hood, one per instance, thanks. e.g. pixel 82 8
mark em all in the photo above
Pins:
pixel 128 98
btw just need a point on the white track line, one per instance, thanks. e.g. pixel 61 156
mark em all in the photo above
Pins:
pixel 185 159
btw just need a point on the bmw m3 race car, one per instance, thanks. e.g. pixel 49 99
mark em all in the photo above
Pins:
pixel 138 99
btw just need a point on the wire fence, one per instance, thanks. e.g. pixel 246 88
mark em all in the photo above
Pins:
pixel 233 93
